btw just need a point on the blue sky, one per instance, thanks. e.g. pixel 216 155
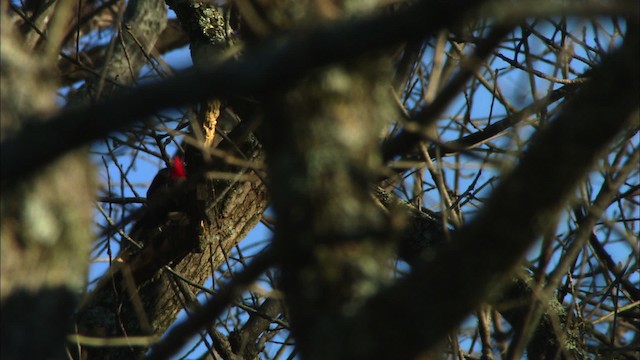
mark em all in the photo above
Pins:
pixel 514 84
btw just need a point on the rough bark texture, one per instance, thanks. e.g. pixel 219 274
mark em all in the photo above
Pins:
pixel 142 22
pixel 45 219
pixel 333 241
pixel 221 213
pixel 171 38
pixel 160 292
pixel 322 152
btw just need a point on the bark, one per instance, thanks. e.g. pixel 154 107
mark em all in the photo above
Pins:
pixel 93 59
pixel 45 219
pixel 322 153
pixel 143 296
pixel 489 248
pixel 268 67
pixel 333 240
pixel 149 304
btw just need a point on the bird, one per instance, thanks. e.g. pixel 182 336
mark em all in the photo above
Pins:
pixel 167 179
pixel 164 198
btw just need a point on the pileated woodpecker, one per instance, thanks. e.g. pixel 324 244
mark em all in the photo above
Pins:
pixel 167 179
pixel 162 199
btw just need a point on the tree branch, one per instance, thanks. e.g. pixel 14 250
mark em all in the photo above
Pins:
pixel 440 293
pixel 180 334
pixel 270 65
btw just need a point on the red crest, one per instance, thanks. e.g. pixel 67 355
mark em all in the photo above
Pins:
pixel 178 170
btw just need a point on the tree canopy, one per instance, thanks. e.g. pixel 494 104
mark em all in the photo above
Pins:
pixel 364 179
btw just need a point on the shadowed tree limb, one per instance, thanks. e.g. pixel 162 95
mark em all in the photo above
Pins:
pixel 270 65
pixel 439 293
pixel 178 336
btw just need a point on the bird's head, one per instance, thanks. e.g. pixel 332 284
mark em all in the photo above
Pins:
pixel 178 169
